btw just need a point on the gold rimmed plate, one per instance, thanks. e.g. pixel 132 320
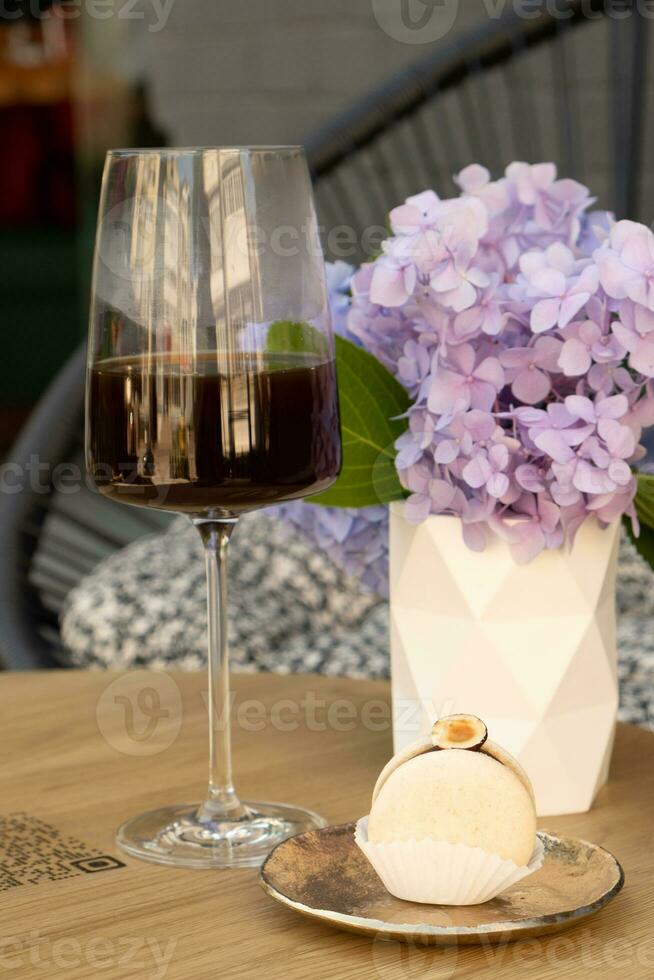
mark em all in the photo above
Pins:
pixel 324 875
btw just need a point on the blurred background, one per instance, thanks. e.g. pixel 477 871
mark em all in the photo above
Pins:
pixel 389 96
pixel 475 82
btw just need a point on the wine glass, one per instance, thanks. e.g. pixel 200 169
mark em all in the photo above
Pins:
pixel 211 391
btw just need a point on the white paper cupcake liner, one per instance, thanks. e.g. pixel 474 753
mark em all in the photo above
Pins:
pixel 436 872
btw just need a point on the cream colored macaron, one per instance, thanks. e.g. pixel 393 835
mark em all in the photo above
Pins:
pixel 477 795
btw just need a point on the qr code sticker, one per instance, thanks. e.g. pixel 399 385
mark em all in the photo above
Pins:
pixel 33 852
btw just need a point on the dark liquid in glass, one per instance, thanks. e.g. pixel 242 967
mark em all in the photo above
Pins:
pixel 219 438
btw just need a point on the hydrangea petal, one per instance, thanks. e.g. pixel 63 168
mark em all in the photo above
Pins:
pixel 590 479
pixel 545 315
pixel 473 177
pixel 477 472
pixel 570 307
pixel 527 543
pixel 441 494
pixel 554 445
pixel 531 387
pixel 389 286
pixel 516 357
pixel 417 508
pixel 575 358
pixel 475 536
pixel 642 358
pixel 550 282
pixel 613 408
pixel 619 472
pixel 612 276
pixel 490 371
pixel 446 451
pixel 447 392
pixel 497 485
pixel 529 478
pixel 580 407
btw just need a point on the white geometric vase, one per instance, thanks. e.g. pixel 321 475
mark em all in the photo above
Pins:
pixel 531 649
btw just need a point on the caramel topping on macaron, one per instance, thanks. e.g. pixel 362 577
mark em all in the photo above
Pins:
pixel 459 732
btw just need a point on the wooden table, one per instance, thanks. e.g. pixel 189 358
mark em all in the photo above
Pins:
pixel 68 762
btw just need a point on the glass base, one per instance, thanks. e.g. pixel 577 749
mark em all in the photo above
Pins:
pixel 175 835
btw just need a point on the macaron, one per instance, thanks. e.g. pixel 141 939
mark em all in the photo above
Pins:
pixel 456 787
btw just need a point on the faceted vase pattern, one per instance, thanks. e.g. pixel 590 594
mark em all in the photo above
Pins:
pixel 531 649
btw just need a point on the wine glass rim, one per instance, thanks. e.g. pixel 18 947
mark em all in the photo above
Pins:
pixel 181 150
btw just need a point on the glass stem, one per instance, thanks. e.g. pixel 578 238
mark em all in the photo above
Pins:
pixel 222 803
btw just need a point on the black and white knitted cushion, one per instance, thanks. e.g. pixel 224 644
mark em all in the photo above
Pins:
pixel 290 610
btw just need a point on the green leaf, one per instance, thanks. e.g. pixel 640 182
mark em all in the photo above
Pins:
pixel 645 499
pixel 296 337
pixel 370 400
pixel 644 544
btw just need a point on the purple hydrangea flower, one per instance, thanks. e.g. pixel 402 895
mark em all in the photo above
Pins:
pixel 465 384
pixel 355 539
pixel 528 369
pixel 522 326
pixel 626 264
pixel 560 284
